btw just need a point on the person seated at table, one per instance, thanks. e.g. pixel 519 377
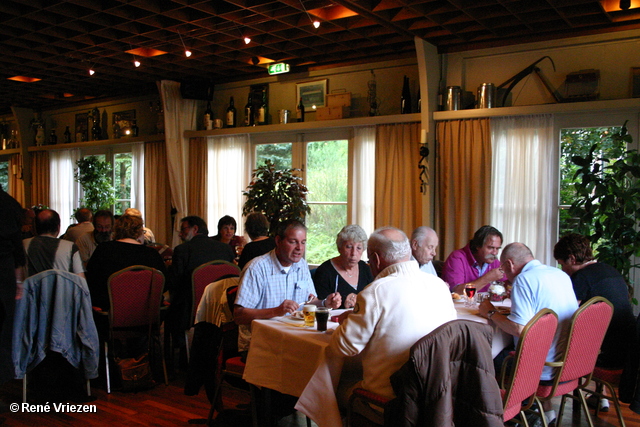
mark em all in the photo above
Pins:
pixel 399 307
pixel 46 251
pixel 102 228
pixel 346 273
pixel 476 264
pixel 125 250
pixel 424 242
pixel 83 217
pixel 591 278
pixel 149 238
pixel 535 286
pixel 257 227
pixel 277 283
pixel 227 233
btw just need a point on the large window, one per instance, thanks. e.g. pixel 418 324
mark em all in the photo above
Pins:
pixel 121 159
pixel 324 169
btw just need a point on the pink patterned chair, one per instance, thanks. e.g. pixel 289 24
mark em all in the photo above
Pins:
pixel 526 365
pixel 575 368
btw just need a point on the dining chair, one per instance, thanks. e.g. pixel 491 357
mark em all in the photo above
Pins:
pixel 521 370
pixel 202 276
pixel 135 295
pixel 575 368
pixel 609 379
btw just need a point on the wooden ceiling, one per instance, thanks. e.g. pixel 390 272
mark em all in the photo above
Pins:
pixel 58 41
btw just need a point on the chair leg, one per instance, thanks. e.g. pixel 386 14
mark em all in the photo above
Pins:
pixel 613 397
pixel 24 389
pixel 186 343
pixel 216 394
pixel 587 413
pixel 106 366
pixel 88 388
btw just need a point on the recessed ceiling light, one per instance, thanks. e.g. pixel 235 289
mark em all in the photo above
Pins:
pixel 24 79
pixel 146 52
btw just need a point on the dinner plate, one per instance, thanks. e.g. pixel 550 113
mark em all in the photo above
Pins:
pixel 297 315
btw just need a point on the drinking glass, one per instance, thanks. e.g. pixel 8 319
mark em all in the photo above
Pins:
pixel 471 293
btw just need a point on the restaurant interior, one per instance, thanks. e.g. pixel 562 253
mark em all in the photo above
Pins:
pixel 427 97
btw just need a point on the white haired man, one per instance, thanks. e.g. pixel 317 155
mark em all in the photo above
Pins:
pixel 399 307
pixel 424 242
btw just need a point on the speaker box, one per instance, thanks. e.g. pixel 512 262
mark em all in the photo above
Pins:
pixel 197 89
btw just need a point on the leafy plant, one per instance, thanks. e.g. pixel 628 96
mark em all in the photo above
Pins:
pixel 276 193
pixel 94 176
pixel 607 204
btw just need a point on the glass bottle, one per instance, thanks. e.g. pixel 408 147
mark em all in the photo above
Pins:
pixel 134 128
pixel 262 111
pixel 208 117
pixel 405 99
pixel 231 114
pixel 117 131
pixel 248 113
pixel 53 138
pixel 67 135
pixel 300 111
pixel 96 130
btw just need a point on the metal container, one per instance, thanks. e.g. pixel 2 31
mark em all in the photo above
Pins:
pixel 486 95
pixel 452 100
pixel 284 116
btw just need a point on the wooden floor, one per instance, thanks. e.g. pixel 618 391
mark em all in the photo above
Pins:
pixel 168 406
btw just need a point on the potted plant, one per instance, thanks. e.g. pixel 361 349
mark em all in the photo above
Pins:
pixel 278 194
pixel 607 206
pixel 95 177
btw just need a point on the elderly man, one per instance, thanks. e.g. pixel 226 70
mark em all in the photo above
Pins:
pixel 476 265
pixel 83 217
pixel 88 242
pixel 399 307
pixel 424 242
pixel 278 282
pixel 535 286
pixel 46 251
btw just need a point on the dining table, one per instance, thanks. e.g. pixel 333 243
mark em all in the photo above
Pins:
pixel 291 358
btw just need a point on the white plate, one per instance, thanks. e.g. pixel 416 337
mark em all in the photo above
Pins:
pixel 297 315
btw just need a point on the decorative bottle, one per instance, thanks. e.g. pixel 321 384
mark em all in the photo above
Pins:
pixel 53 138
pixel 40 136
pixel 96 130
pixel 405 100
pixel 208 117
pixel 231 114
pixel 248 113
pixel 67 135
pixel 300 111
pixel 134 128
pixel 262 111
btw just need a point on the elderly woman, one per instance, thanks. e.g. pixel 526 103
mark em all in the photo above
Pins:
pixel 345 273
pixel 227 233
pixel 126 249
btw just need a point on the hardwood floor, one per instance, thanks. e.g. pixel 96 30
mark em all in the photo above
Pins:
pixel 168 406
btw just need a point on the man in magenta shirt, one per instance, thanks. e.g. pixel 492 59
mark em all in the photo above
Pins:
pixel 477 264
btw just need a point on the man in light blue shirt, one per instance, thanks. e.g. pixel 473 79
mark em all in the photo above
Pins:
pixel 424 242
pixel 278 282
pixel 535 286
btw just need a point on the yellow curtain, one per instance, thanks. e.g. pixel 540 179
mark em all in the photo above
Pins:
pixel 398 200
pixel 40 182
pixel 157 192
pixel 197 176
pixel 16 179
pixel 463 187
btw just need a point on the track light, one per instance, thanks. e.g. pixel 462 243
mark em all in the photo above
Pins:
pixel 91 71
pixel 136 62
pixel 247 40
pixel 187 52
pixel 316 23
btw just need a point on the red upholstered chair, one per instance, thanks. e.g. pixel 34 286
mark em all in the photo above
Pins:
pixel 574 370
pixel 609 378
pixel 202 276
pixel 135 294
pixel 526 365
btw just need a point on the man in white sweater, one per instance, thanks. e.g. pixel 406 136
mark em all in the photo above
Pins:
pixel 399 307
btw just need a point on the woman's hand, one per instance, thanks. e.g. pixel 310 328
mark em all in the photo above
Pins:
pixel 350 300
pixel 333 300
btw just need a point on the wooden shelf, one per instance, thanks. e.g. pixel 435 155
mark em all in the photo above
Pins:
pixel 123 140
pixel 10 151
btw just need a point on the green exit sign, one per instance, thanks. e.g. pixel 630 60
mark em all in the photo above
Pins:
pixel 279 68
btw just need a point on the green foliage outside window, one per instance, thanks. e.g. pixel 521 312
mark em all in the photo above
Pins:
pixel 4 175
pixel 95 177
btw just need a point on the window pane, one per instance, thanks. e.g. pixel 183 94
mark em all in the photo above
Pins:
pixel 4 175
pixel 327 171
pixel 324 223
pixel 578 142
pixel 279 154
pixel 122 163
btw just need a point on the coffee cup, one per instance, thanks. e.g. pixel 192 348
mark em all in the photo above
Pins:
pixel 322 316
pixel 309 312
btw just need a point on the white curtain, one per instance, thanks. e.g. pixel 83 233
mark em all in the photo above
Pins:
pixel 362 173
pixel 230 164
pixel 64 191
pixel 137 177
pixel 524 183
pixel 179 115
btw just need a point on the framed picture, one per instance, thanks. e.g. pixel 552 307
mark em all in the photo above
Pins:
pixel 635 82
pixel 82 127
pixel 125 120
pixel 312 94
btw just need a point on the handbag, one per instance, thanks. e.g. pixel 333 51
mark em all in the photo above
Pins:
pixel 135 372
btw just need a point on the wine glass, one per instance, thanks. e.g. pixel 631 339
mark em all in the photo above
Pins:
pixel 471 293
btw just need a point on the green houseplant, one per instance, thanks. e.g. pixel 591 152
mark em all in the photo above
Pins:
pixel 607 207
pixel 278 194
pixel 95 177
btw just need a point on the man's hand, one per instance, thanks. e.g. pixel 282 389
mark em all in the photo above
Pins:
pixel 485 307
pixel 494 275
pixel 287 307
pixel 350 301
pixel 333 300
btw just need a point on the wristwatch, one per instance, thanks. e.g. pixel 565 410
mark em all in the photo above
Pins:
pixel 490 313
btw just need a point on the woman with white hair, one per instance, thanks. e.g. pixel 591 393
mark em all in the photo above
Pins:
pixel 346 273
